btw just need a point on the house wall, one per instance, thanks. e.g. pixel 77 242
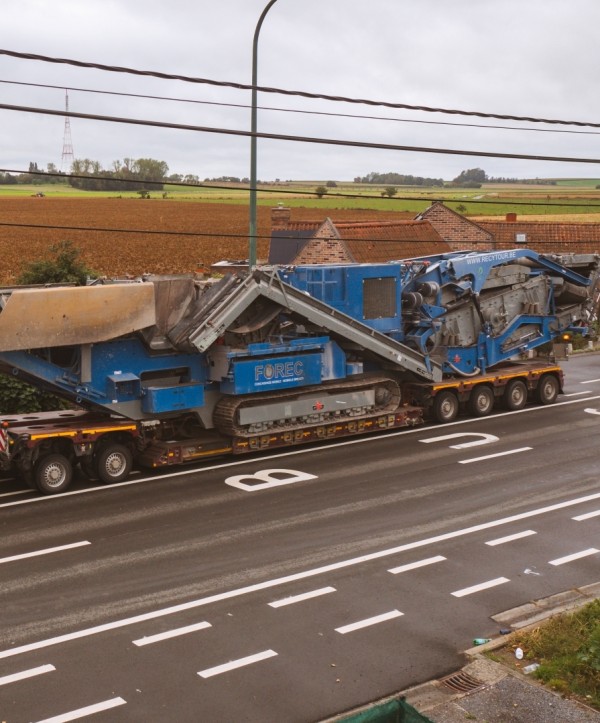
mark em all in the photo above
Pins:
pixel 326 249
pixel 458 232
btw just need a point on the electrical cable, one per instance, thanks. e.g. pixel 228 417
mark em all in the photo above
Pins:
pixel 297 139
pixel 296 110
pixel 283 91
pixel 207 234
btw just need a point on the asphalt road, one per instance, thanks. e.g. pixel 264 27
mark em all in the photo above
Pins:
pixel 206 594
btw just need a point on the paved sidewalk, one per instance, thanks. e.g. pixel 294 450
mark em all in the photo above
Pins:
pixel 490 692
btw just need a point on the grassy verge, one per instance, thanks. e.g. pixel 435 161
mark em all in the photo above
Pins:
pixel 567 648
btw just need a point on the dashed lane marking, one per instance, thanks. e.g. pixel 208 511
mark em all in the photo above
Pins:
pixel 586 516
pixel 510 538
pixel 574 556
pixel 14 677
pixel 176 632
pixel 481 586
pixel 239 663
pixel 83 712
pixel 375 620
pixel 415 565
pixel 493 456
pixel 47 551
pixel 300 598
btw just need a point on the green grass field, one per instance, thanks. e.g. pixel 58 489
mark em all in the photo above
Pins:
pixel 569 196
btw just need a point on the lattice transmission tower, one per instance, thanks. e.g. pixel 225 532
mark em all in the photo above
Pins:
pixel 67 151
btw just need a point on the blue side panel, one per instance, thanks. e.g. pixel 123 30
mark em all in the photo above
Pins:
pixel 262 375
pixel 370 293
pixel 172 399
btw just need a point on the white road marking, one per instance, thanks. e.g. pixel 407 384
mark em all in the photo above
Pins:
pixel 14 494
pixel 590 381
pixel 88 710
pixel 483 439
pixel 574 556
pixel 493 456
pixel 279 455
pixel 577 394
pixel 268 479
pixel 234 664
pixel 586 516
pixel 149 639
pixel 510 538
pixel 369 621
pixel 415 565
pixel 276 582
pixel 481 586
pixel 26 674
pixel 300 598
pixel 47 551
pixel 591 411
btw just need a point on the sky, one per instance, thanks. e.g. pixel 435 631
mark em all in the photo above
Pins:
pixel 537 58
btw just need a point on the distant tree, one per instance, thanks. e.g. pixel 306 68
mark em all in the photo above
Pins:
pixel 475 175
pixel 389 191
pixel 399 179
pixel 321 191
pixel 64 266
pixel 460 208
pixel 331 184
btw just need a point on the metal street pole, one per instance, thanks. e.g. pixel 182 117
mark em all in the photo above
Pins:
pixel 253 124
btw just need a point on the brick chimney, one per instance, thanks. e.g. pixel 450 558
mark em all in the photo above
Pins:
pixel 511 217
pixel 280 217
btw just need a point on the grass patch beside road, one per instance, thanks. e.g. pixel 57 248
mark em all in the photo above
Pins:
pixel 568 650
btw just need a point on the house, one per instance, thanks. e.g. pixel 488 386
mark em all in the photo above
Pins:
pixel 330 242
pixel 545 237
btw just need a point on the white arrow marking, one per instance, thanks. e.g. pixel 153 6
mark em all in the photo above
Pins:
pixel 483 439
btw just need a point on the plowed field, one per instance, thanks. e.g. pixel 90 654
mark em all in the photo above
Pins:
pixel 140 236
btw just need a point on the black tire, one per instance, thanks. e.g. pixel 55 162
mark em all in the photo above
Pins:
pixel 113 463
pixel 445 407
pixel 515 395
pixel 481 401
pixel 88 468
pixel 53 474
pixel 547 389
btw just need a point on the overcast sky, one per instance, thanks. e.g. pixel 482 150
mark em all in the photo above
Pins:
pixel 537 58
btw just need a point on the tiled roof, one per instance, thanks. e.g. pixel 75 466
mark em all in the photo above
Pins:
pixel 385 241
pixel 366 241
pixel 551 233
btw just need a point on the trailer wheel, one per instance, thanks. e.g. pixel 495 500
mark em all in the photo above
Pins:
pixel 547 389
pixel 113 463
pixel 481 401
pixel 53 474
pixel 515 395
pixel 445 407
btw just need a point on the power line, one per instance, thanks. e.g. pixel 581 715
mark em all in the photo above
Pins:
pixel 298 139
pixel 283 91
pixel 202 234
pixel 284 191
pixel 300 111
